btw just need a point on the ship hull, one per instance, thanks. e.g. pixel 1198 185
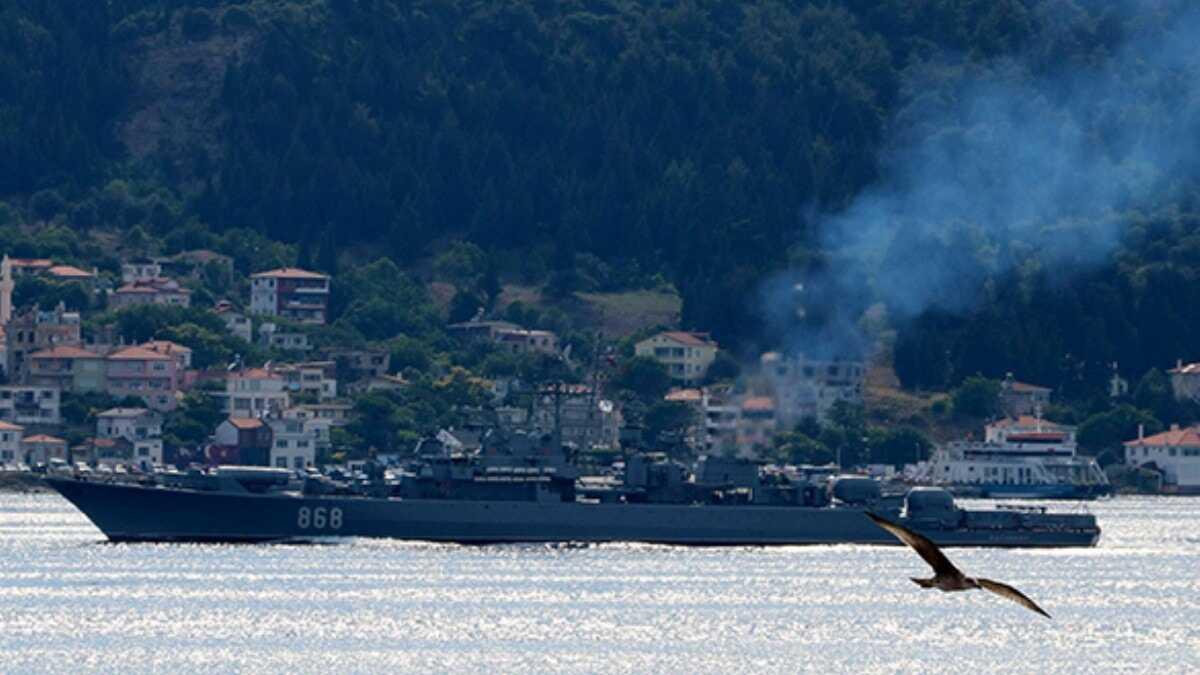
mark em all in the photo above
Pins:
pixel 128 513
pixel 1051 491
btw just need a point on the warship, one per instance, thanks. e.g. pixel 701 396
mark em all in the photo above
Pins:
pixel 480 498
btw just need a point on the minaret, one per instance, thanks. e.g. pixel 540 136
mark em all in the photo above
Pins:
pixel 6 290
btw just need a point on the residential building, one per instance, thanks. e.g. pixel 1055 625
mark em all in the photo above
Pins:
pixel 157 291
pixel 523 341
pixel 253 392
pixel 181 354
pixel 290 292
pixel 315 378
pixel 140 426
pixel 293 443
pixel 805 388
pixel 1174 453
pixel 336 414
pixel 317 427
pixel 67 368
pixel 694 436
pixel 360 364
pixel 270 335
pixel 137 371
pixel 29 405
pixel 236 323
pixel 756 426
pixel 12 269
pixel 39 449
pixel 381 383
pixel 721 413
pixel 480 330
pixel 686 356
pixel 105 451
pixel 71 273
pixel 10 442
pixel 35 330
pixel 1185 381
pixel 1022 398
pixel 241 440
pixel 141 270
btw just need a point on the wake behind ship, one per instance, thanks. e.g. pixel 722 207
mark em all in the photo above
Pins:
pixel 542 498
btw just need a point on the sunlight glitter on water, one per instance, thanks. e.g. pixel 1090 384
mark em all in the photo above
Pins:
pixel 69 603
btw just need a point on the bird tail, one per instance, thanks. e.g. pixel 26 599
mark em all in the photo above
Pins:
pixel 923 583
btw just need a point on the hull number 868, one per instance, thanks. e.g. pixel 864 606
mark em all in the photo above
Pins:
pixel 319 518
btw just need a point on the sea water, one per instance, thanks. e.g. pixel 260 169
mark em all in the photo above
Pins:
pixel 71 603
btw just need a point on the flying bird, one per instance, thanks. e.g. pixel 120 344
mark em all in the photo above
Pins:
pixel 947 577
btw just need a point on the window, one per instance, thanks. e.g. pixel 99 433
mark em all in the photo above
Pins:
pixel 281 443
pixel 281 462
pixel 298 462
pixel 301 444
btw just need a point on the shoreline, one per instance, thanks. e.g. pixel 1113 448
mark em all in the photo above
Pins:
pixel 23 483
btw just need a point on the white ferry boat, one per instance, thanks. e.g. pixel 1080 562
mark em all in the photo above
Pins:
pixel 1023 457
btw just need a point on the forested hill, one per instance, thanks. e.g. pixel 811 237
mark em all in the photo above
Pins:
pixel 709 142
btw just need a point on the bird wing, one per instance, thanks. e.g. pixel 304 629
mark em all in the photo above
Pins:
pixel 1004 590
pixel 923 546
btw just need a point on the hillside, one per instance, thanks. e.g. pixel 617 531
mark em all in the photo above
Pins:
pixel 1004 177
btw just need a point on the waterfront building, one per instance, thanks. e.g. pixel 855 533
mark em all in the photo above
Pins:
pixel 39 449
pixel 142 427
pixel 241 440
pixel 10 443
pixel 1174 453
pixel 293 443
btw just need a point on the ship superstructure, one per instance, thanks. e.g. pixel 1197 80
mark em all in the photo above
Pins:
pixel 1021 457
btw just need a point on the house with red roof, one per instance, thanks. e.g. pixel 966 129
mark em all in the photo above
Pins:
pixel 72 369
pixel 39 449
pixel 1021 398
pixel 685 355
pixel 241 440
pixel 156 291
pixel 290 292
pixel 1174 453
pixel 144 373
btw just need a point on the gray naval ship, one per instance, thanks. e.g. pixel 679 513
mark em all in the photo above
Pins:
pixel 505 496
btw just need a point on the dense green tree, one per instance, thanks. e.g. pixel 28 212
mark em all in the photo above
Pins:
pixel 976 397
pixel 643 377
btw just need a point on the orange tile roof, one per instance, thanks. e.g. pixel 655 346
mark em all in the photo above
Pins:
pixel 166 347
pixel 1025 386
pixel 686 338
pixel 1027 421
pixel 64 352
pixel 289 273
pixel 1188 436
pixel 43 438
pixel 136 288
pixel 137 354
pixel 31 262
pixel 69 271
pixel 758 403
pixel 254 374
pixel 685 395
pixel 1186 369
pixel 8 426
pixel 246 422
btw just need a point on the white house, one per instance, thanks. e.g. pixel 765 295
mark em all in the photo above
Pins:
pixel 686 356
pixel 1175 453
pixel 253 392
pixel 293 444
pixel 10 443
pixel 140 426
pixel 809 388
pixel 30 405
